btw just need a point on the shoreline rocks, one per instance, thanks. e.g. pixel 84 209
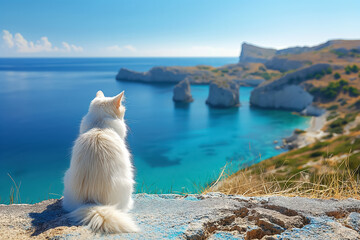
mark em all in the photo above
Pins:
pixel 313 133
pixel 223 95
pixel 182 92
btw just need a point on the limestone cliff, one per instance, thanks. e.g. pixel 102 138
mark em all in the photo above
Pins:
pixel 252 53
pixel 286 92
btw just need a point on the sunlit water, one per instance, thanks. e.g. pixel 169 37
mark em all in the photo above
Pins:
pixel 175 147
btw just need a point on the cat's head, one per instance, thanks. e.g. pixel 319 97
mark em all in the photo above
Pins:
pixel 108 106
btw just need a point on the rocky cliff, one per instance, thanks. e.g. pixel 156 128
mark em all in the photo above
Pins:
pixel 210 216
pixel 288 58
pixel 255 54
pixel 286 92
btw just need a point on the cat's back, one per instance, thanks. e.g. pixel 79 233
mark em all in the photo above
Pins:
pixel 100 146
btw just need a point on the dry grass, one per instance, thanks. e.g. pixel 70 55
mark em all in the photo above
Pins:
pixel 14 196
pixel 341 183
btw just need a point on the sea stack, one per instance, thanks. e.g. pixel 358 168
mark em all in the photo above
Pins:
pixel 182 92
pixel 223 94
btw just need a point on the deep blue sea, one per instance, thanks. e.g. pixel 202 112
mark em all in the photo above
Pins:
pixel 175 147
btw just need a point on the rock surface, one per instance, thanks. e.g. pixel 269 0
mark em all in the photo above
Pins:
pixel 251 82
pixel 286 92
pixel 283 64
pixel 256 54
pixel 211 216
pixel 312 110
pixel 223 94
pixel 182 92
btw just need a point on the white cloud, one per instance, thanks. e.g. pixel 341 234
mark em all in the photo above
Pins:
pixel 8 38
pixel 76 48
pixel 43 45
pixel 118 49
pixel 66 46
pixel 69 48
pixel 130 48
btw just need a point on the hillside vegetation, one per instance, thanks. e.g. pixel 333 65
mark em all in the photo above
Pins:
pixel 326 169
pixel 329 168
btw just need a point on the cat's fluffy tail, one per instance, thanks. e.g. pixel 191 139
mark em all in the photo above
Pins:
pixel 107 219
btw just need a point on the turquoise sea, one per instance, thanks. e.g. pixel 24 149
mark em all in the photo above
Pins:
pixel 175 147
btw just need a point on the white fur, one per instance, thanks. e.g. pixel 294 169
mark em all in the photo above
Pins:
pixel 99 182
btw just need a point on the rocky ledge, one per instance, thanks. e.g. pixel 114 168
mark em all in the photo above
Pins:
pixel 210 216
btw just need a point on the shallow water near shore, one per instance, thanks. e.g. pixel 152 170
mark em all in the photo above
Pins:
pixel 175 147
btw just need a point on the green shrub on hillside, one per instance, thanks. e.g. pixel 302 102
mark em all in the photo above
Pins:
pixel 265 75
pixel 318 75
pixel 331 91
pixel 357 104
pixel 337 126
pixel 354 92
pixel 351 69
pixel 333 107
pixel 352 53
pixel 337 75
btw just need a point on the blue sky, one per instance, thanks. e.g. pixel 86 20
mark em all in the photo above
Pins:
pixel 119 28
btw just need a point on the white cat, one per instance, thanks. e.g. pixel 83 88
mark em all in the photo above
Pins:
pixel 100 180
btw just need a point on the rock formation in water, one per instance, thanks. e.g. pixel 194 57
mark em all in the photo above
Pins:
pixel 286 92
pixel 182 92
pixel 223 94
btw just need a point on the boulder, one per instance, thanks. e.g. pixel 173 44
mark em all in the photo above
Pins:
pixel 312 110
pixel 223 94
pixel 182 92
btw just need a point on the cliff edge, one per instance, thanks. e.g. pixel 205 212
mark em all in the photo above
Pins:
pixel 210 216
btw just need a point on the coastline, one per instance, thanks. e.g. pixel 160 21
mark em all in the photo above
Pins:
pixel 312 134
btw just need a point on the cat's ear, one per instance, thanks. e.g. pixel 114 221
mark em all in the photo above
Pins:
pixel 117 99
pixel 99 94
